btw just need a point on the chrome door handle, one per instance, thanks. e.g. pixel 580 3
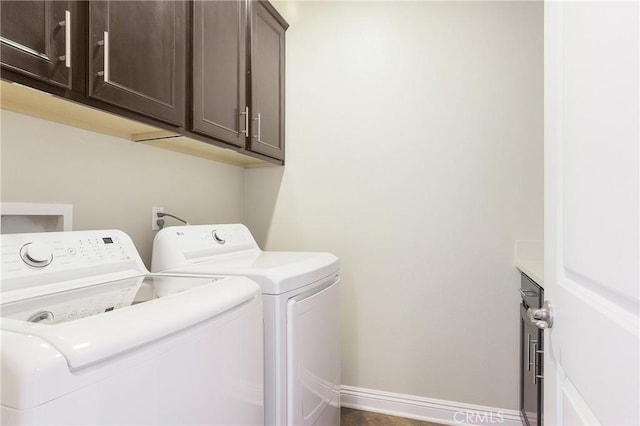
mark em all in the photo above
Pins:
pixel 246 121
pixel 543 317
pixel 67 39
pixel 105 43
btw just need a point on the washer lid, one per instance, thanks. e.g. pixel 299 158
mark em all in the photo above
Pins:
pixel 276 272
pixel 92 324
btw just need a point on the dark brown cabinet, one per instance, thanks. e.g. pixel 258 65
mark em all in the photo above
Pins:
pixel 267 80
pixel 530 382
pixel 209 70
pixel 238 74
pixel 531 355
pixel 137 56
pixel 38 38
pixel 220 108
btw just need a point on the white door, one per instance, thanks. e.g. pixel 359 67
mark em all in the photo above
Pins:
pixel 592 189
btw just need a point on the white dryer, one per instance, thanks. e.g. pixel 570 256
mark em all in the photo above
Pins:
pixel 301 313
pixel 89 337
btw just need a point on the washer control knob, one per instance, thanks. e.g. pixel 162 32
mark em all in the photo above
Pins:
pixel 36 254
pixel 219 236
pixel 44 317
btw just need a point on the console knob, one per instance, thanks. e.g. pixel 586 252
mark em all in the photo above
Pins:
pixel 43 317
pixel 36 254
pixel 219 236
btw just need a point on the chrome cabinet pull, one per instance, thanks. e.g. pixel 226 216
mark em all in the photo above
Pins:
pixel 67 39
pixel 535 363
pixel 536 353
pixel 246 122
pixel 106 56
pixel 529 351
pixel 258 119
pixel 529 342
pixel 539 376
pixel 543 317
pixel 105 43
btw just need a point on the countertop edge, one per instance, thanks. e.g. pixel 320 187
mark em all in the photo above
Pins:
pixel 533 269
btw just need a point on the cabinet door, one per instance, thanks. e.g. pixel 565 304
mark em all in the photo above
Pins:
pixel 137 56
pixel 36 39
pixel 267 80
pixel 530 370
pixel 219 70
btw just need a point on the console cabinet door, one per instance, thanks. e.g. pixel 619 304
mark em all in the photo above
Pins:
pixel 267 80
pixel 137 56
pixel 531 346
pixel 219 70
pixel 36 39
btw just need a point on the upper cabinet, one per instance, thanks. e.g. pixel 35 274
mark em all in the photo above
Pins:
pixel 137 56
pixel 267 80
pixel 37 39
pixel 209 70
pixel 220 107
pixel 238 80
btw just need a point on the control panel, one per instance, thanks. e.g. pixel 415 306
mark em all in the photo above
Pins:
pixel 237 236
pixel 198 242
pixel 60 255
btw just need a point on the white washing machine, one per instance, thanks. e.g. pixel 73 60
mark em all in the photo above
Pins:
pixel 89 337
pixel 301 313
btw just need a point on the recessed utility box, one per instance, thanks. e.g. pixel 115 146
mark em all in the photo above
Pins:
pixel 35 217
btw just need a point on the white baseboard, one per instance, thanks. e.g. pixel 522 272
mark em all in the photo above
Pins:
pixel 426 409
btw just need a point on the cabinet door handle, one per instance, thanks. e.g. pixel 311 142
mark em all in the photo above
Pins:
pixel 258 119
pixel 105 43
pixel 536 353
pixel 529 342
pixel 538 368
pixel 246 122
pixel 67 39
pixel 535 363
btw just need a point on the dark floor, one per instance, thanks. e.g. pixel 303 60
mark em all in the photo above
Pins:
pixel 350 417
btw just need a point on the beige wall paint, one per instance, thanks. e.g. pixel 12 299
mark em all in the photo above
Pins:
pixel 414 152
pixel 112 182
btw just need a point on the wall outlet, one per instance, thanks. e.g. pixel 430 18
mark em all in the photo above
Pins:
pixel 154 217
